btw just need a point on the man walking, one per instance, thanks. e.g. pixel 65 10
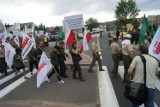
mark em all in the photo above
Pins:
pixel 96 56
pixel 115 51
pixel 152 67
pixel 127 51
pixel 55 63
pixel 32 57
pixel 62 58
pixel 75 53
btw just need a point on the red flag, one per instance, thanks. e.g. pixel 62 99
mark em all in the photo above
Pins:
pixel 86 40
pixel 70 37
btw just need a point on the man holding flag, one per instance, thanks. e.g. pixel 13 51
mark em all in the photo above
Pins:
pixel 143 30
pixel 55 63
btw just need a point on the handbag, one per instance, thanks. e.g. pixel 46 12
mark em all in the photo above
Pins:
pixel 137 92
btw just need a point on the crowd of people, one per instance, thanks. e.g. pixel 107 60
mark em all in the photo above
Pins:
pixel 122 49
pixel 133 66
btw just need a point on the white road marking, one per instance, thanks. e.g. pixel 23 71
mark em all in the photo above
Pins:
pixel 121 73
pixel 15 84
pixel 107 95
pixel 5 79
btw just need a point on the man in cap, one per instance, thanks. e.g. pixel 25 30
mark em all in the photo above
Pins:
pixel 127 51
pixel 115 51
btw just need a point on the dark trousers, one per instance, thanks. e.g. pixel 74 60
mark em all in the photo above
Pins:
pixel 3 66
pixel 62 68
pixel 126 61
pixel 116 64
pixel 96 58
pixel 31 64
pixel 53 71
pixel 77 68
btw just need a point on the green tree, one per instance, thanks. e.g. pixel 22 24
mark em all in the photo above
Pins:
pixel 126 12
pixel 92 23
pixel 41 26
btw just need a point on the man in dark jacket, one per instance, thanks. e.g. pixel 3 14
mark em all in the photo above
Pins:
pixel 62 58
pixel 55 63
pixel 32 57
pixel 40 49
pixel 18 63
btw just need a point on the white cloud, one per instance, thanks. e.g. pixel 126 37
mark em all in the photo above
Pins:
pixel 51 12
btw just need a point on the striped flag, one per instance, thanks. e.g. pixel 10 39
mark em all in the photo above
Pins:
pixel 86 40
pixel 70 36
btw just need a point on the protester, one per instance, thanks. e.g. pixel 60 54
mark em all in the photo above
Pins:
pixel 127 51
pixel 40 49
pixel 75 53
pixel 55 63
pixel 32 57
pixel 3 66
pixel 96 56
pixel 146 42
pixel 110 38
pixel 117 33
pixel 18 63
pixel 115 51
pixel 152 67
pixel 62 58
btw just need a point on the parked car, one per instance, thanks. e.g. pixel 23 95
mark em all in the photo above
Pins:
pixel 53 37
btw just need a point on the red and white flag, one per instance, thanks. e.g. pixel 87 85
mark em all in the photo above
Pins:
pixel 16 40
pixel 27 45
pixel 154 48
pixel 43 68
pixel 9 54
pixel 70 37
pixel 86 39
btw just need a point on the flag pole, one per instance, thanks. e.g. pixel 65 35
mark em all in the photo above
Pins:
pixel 52 65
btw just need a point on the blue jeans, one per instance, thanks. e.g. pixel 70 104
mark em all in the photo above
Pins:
pixel 150 100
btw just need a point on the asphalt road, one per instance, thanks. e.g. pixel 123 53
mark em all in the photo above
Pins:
pixel 73 93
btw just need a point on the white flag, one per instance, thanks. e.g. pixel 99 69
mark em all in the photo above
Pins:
pixel 154 48
pixel 9 54
pixel 43 68
pixel 16 40
pixel 27 45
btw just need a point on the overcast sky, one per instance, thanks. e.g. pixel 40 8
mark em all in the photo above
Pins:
pixel 51 12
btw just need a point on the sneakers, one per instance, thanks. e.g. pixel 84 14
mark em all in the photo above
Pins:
pixel 48 81
pixel 61 82
pixel 101 70
pixel 25 77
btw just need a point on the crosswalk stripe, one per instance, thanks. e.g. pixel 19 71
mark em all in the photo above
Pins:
pixel 9 77
pixel 121 73
pixel 15 84
pixel 107 94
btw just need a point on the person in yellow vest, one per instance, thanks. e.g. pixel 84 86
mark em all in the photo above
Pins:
pixel 45 39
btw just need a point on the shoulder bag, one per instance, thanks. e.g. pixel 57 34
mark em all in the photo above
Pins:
pixel 137 92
